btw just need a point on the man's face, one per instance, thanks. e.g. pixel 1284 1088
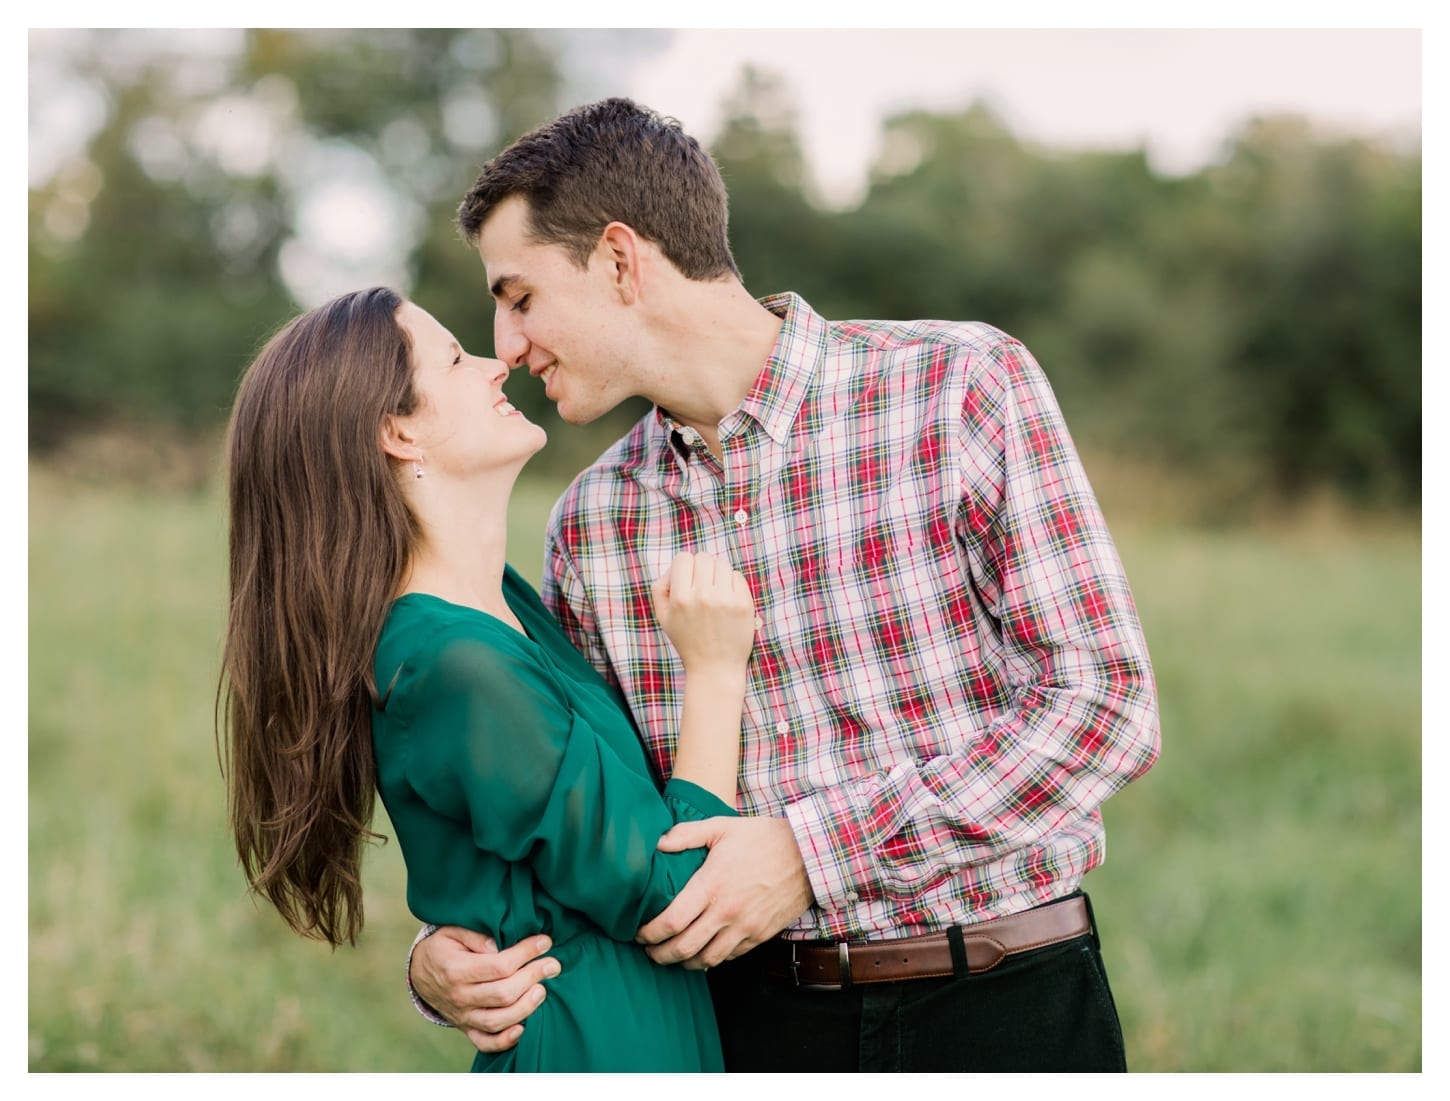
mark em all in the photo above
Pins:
pixel 564 323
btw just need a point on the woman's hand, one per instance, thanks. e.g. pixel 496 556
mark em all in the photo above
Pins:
pixel 706 610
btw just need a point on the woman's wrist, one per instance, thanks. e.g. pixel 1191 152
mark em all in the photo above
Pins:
pixel 721 673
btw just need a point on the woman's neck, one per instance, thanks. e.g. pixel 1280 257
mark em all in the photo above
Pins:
pixel 461 554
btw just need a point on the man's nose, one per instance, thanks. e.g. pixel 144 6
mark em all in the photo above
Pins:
pixel 509 342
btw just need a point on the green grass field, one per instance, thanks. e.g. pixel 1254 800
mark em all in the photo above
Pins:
pixel 1260 902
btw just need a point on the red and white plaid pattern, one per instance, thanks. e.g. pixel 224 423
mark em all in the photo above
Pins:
pixel 949 676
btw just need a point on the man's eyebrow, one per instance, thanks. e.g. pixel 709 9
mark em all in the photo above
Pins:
pixel 503 284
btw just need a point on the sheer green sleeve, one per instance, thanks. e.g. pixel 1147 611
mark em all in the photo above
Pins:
pixel 493 743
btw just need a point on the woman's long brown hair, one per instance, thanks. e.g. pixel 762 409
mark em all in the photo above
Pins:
pixel 320 536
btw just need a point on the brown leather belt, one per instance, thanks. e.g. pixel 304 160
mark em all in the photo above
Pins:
pixel 821 966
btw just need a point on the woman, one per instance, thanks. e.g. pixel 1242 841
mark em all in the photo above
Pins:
pixel 377 637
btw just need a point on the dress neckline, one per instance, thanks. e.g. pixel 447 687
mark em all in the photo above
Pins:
pixel 489 616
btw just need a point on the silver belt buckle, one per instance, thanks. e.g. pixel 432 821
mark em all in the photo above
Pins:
pixel 820 987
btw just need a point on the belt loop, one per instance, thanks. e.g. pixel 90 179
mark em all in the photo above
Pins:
pixel 843 954
pixel 960 965
pixel 1092 921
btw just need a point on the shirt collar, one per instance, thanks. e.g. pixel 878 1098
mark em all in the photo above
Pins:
pixel 776 396
pixel 781 387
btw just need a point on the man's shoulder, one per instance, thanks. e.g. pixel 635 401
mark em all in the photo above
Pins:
pixel 977 337
pixel 940 355
pixel 848 348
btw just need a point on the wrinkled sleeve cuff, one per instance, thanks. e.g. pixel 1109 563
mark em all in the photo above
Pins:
pixel 706 803
pixel 427 1011
pixel 821 824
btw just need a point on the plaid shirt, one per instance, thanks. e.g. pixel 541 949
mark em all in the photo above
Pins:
pixel 949 676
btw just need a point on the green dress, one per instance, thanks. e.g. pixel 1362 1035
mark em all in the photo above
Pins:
pixel 523 803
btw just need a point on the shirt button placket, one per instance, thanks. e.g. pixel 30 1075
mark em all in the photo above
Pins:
pixel 742 550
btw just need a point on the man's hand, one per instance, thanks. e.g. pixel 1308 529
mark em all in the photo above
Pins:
pixel 751 886
pixel 484 992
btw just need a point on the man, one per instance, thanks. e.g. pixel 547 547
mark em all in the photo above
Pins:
pixel 949 675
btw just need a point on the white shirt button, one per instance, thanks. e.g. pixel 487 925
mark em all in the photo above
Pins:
pixel 742 517
pixel 782 727
pixel 759 623
pixel 852 896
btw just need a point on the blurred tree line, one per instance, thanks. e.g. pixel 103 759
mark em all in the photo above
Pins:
pixel 1256 325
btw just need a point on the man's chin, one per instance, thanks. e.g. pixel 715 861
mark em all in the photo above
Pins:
pixel 577 417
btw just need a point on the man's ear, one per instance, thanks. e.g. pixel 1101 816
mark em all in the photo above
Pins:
pixel 619 247
pixel 396 440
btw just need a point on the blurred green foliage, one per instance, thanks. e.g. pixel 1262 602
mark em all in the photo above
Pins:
pixel 1255 325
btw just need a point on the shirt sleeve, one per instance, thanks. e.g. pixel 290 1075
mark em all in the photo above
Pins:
pixel 493 743
pixel 564 595
pixel 1083 717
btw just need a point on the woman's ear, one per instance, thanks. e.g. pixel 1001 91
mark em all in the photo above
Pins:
pixel 396 439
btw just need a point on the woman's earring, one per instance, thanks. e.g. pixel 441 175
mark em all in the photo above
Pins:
pixel 418 469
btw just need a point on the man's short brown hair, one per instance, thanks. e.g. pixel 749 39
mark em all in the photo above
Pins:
pixel 611 161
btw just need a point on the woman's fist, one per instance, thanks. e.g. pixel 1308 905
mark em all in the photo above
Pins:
pixel 706 610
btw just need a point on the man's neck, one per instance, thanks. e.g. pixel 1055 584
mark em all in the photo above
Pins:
pixel 712 356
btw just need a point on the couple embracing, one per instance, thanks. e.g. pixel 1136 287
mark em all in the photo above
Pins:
pixel 796 760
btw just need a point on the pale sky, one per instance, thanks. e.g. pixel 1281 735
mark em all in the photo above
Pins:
pixel 1178 92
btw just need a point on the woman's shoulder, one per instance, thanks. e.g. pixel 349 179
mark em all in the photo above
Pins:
pixel 420 622
pixel 432 642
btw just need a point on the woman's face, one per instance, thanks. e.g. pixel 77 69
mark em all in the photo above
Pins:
pixel 463 423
